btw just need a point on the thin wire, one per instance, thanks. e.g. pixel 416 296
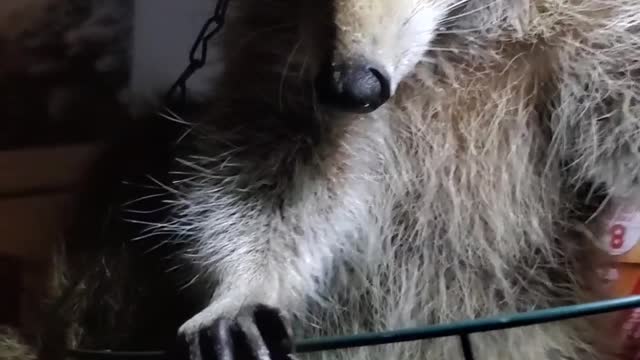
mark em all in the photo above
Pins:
pixel 464 328
pixel 470 326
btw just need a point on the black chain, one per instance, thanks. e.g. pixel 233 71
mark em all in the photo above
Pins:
pixel 196 62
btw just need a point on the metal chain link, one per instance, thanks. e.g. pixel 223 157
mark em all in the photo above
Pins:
pixel 197 61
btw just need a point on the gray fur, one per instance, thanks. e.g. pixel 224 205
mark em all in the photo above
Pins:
pixel 450 202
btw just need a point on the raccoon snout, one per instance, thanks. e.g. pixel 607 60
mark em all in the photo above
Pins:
pixel 357 87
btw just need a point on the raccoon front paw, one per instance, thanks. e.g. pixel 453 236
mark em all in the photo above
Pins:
pixel 256 333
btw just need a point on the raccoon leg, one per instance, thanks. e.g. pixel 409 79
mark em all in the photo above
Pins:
pixel 270 239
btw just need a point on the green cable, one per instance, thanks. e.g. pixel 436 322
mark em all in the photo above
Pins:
pixel 463 328
pixel 467 327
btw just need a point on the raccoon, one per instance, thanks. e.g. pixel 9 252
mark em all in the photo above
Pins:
pixel 366 165
pixel 372 165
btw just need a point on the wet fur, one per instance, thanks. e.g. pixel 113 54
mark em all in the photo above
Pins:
pixel 457 199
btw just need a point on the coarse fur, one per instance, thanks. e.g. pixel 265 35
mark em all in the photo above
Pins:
pixel 458 198
pixel 454 200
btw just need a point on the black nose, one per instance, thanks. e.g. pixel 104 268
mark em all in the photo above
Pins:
pixel 353 87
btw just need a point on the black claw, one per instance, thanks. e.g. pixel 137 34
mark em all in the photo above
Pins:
pixel 275 330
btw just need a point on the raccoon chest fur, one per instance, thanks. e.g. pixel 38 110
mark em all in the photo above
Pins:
pixel 469 213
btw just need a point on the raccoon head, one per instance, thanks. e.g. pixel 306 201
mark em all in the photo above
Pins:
pixel 377 43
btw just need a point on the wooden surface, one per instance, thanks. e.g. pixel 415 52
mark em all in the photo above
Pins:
pixel 31 225
pixel 36 193
pixel 47 169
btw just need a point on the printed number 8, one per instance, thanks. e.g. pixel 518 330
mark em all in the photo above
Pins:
pixel 617 236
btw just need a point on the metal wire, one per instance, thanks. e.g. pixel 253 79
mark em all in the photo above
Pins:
pixel 470 326
pixel 463 329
